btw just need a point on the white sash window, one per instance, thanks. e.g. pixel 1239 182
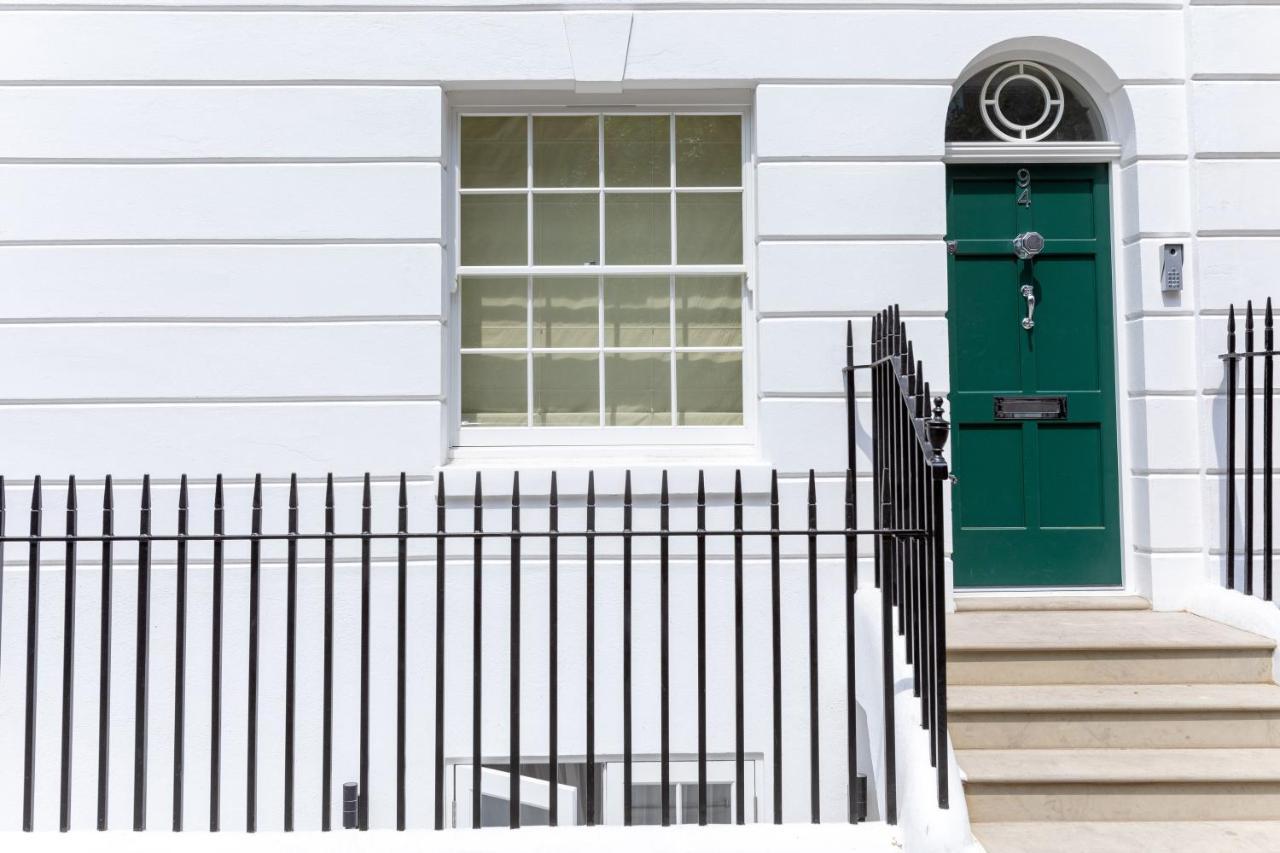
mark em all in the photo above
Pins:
pixel 600 273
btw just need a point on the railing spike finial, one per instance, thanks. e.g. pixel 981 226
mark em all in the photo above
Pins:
pixel 515 490
pixel 293 491
pixel 37 501
pixel 554 496
pixel 182 493
pixel 478 498
pixel 848 343
pixel 440 489
pixel 71 493
pixel 702 489
pixel 1248 315
pixel 404 490
pixel 737 486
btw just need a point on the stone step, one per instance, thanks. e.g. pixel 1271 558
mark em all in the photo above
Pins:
pixel 1114 715
pixel 1003 785
pixel 1101 647
pixel 1130 837
pixel 995 604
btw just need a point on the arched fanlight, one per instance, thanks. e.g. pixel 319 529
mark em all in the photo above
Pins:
pixel 1022 102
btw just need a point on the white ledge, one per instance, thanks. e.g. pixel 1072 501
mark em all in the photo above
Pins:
pixel 1034 152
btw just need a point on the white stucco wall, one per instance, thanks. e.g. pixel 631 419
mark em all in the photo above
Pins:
pixel 225 247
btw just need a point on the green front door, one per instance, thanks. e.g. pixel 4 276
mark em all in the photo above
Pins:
pixel 1033 409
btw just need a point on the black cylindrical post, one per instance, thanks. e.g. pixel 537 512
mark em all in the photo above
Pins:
pixel 626 650
pixel 1232 367
pixel 402 618
pixel 215 664
pixel 290 651
pixel 1248 449
pixel 438 756
pixel 591 793
pixel 702 649
pixel 739 691
pixel 142 660
pixel 775 586
pixel 850 590
pixel 664 654
pixel 68 654
pixel 513 809
pixel 255 614
pixel 815 805
pixel 33 638
pixel 477 650
pixel 104 646
pixel 553 654
pixel 326 735
pixel 1268 391
pixel 180 657
pixel 366 581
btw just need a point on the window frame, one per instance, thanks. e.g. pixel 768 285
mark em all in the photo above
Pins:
pixel 479 436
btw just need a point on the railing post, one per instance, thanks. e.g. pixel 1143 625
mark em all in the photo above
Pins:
pixel 1232 368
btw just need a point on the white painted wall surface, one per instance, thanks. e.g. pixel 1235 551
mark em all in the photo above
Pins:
pixel 224 246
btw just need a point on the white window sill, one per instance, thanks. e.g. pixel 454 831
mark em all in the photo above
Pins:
pixel 572 465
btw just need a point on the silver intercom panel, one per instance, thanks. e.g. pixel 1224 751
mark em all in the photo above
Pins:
pixel 1171 268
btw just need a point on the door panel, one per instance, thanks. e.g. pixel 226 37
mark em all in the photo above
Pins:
pixel 1036 502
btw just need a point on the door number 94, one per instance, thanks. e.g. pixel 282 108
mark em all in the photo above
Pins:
pixel 1024 187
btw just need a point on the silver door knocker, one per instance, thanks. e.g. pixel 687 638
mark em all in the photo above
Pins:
pixel 1026 246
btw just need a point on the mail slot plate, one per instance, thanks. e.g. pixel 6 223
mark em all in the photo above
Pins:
pixel 1031 408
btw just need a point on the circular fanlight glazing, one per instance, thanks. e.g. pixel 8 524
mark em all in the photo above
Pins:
pixel 1022 102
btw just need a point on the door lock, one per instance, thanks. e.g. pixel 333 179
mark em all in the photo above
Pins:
pixel 1028 244
pixel 1029 293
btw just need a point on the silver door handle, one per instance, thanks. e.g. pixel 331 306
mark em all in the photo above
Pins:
pixel 1029 294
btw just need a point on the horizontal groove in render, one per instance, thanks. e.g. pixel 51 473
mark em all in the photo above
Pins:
pixel 187 320
pixel 213 161
pixel 230 241
pixel 219 401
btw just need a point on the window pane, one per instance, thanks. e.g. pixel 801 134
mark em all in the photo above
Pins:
pixel 709 311
pixel 493 230
pixel 708 228
pixel 494 312
pixel 718 807
pixel 493 151
pixel 566 312
pixel 637 151
pixel 637 389
pixel 494 389
pixel 709 388
pixel 637 228
pixel 566 151
pixel 646 805
pixel 709 151
pixel 566 390
pixel 637 311
pixel 566 229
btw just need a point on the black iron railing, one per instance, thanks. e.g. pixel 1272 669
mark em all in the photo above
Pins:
pixel 908 473
pixel 1232 360
pixel 907 531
